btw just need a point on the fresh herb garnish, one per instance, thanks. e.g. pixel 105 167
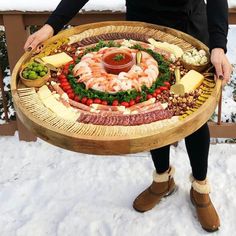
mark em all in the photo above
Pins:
pixel 118 57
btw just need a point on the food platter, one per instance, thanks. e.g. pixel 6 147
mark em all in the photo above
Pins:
pixel 110 88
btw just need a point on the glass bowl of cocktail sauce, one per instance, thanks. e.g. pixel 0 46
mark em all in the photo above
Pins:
pixel 118 60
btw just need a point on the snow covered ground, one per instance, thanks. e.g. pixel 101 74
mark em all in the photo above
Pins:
pixel 47 191
pixel 45 5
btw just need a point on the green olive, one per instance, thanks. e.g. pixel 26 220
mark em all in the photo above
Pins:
pixel 33 75
pixel 25 74
pixel 39 68
pixel 29 67
pixel 34 64
pixel 42 73
pixel 45 69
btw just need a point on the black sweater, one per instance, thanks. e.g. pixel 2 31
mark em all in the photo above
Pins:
pixel 217 15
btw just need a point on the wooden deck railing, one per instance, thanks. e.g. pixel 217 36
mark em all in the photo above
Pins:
pixel 16 23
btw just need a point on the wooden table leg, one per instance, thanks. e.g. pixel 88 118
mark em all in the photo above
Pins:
pixel 16 36
pixel 23 132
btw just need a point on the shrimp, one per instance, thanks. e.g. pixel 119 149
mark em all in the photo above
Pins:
pixel 122 75
pixel 132 75
pixel 154 68
pixel 76 70
pixel 151 62
pixel 136 85
pixel 144 81
pixel 94 81
pixel 99 87
pixel 82 71
pixel 126 85
pixel 113 86
pixel 151 73
pixel 83 78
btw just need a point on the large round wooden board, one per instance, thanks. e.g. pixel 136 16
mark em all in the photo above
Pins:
pixel 96 139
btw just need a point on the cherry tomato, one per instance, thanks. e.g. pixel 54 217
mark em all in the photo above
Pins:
pixel 69 91
pixel 61 76
pixel 149 96
pixel 137 99
pixel 104 102
pixel 167 84
pixel 131 103
pixel 66 67
pixel 84 100
pixel 154 94
pixel 63 80
pixel 89 101
pixel 76 98
pixel 64 84
pixel 67 87
pixel 162 88
pixel 157 91
pixel 70 63
pixel 71 95
pixel 97 101
pixel 115 103
pixel 126 104
pixel 65 71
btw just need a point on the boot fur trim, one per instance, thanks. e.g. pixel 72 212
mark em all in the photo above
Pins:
pixel 202 189
pixel 159 178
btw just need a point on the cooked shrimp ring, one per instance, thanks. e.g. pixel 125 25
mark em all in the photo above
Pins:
pixel 92 73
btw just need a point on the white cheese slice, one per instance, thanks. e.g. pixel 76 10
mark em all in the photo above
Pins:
pixel 172 48
pixel 44 92
pixel 60 110
pixel 57 60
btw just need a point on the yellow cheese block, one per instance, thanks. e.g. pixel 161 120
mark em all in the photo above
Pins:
pixel 57 60
pixel 191 81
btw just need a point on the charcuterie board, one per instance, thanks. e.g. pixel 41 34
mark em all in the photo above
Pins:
pixel 115 88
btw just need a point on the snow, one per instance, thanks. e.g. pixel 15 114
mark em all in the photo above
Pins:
pixel 232 3
pixel 46 190
pixel 45 5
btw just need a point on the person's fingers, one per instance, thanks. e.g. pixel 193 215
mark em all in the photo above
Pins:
pixel 39 48
pixel 227 69
pixel 35 43
pixel 28 42
pixel 218 69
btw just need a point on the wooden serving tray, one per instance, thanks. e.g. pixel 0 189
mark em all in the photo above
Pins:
pixel 104 140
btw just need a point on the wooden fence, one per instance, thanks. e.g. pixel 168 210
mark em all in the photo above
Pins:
pixel 16 24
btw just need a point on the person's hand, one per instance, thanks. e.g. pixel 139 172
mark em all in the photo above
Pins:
pixel 222 66
pixel 38 37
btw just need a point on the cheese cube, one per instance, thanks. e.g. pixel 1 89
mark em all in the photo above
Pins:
pixel 57 60
pixel 191 81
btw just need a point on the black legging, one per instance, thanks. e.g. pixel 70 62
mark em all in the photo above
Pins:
pixel 197 145
pixel 195 24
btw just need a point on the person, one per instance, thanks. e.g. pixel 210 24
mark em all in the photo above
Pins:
pixel 208 22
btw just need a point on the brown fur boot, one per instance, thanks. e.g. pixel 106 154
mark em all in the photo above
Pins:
pixel 206 213
pixel 163 185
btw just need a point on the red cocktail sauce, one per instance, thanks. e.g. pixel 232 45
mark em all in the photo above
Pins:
pixel 117 61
